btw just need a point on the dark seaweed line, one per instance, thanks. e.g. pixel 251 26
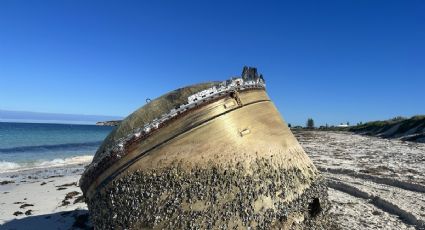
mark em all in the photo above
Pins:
pixel 378 202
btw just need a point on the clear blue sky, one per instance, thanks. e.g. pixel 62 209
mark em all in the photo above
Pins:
pixel 334 61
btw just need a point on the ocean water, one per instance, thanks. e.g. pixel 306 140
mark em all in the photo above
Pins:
pixel 33 145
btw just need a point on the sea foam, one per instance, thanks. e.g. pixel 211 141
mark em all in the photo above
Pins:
pixel 6 166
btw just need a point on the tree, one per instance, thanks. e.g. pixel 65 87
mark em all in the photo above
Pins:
pixel 289 125
pixel 310 123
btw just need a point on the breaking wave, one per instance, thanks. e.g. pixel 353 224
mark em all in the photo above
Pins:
pixel 6 166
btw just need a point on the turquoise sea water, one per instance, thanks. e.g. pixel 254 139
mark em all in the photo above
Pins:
pixel 28 145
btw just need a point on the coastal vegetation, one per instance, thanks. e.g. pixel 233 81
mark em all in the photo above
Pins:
pixel 407 129
pixel 310 123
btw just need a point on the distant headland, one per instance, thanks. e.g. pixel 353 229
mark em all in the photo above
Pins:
pixel 108 123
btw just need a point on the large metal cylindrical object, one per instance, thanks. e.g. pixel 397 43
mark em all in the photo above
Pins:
pixel 229 163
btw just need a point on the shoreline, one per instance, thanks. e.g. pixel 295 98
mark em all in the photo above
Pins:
pixel 46 165
pixel 367 177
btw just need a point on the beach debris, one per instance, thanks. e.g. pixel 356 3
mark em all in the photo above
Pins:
pixel 25 205
pixel 65 203
pixel 7 182
pixel 53 176
pixel 28 212
pixel 17 213
pixel 70 195
pixel 79 199
pixel 68 184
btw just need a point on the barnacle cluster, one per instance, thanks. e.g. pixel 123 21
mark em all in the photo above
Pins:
pixel 215 198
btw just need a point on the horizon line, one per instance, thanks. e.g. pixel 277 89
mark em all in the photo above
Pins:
pixel 58 113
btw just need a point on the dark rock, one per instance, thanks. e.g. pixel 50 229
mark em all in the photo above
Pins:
pixel 28 212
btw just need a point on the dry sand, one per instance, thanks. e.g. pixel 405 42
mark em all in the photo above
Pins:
pixel 374 184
